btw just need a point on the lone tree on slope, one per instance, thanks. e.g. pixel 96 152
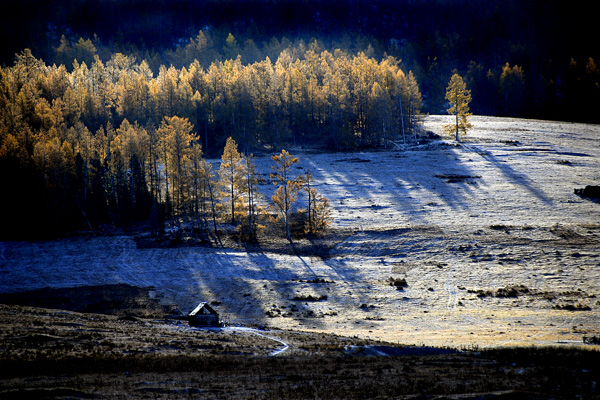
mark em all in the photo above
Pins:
pixel 459 98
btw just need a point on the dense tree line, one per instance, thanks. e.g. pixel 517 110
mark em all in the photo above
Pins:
pixel 307 96
pixel 549 43
pixel 113 144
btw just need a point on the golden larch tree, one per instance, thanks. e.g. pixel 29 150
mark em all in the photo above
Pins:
pixel 459 98
pixel 231 175
pixel 319 211
pixel 175 137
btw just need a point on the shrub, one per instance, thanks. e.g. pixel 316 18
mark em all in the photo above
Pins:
pixel 571 307
pixel 309 297
pixel 399 283
pixel 591 339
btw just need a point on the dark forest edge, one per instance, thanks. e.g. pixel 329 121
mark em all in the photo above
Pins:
pixel 112 144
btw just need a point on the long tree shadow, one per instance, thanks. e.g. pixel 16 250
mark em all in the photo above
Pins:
pixel 351 287
pixel 510 173
pixel 396 187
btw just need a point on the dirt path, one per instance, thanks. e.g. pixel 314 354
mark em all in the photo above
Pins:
pixel 284 345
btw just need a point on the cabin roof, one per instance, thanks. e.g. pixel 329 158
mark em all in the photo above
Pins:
pixel 203 308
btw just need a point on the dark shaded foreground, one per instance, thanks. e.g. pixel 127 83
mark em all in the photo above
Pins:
pixel 300 377
pixel 60 354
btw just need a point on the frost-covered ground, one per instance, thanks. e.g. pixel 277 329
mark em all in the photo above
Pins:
pixel 457 222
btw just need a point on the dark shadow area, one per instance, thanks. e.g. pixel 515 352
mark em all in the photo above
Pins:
pixel 151 279
pixel 119 299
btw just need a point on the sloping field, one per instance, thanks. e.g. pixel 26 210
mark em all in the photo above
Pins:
pixel 444 244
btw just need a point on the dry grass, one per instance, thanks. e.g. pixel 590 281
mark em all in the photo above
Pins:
pixel 62 354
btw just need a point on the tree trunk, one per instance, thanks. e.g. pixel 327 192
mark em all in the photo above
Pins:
pixel 456 105
pixel 286 216
pixel 401 118
pixel 457 138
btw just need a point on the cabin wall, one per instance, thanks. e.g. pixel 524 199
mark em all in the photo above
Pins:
pixel 204 320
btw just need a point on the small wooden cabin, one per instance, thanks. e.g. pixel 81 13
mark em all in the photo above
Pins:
pixel 204 315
